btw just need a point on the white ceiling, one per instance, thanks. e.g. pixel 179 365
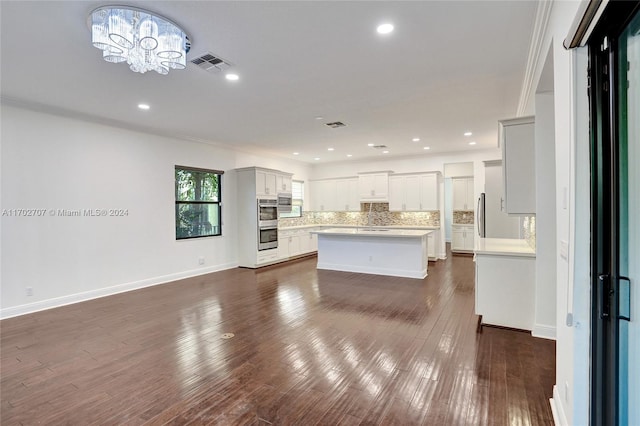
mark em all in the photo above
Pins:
pixel 449 67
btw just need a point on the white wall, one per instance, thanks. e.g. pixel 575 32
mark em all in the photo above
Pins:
pixel 571 393
pixel 52 162
pixel 545 314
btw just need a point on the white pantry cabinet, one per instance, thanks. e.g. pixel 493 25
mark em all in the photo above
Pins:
pixel 462 238
pixel 463 198
pixel 517 139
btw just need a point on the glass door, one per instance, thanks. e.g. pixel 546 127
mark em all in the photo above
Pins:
pixel 628 117
pixel 614 53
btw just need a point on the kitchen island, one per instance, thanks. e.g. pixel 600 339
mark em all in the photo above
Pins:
pixel 392 252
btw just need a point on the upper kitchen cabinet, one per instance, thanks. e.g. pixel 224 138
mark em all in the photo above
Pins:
pixel 413 192
pixel 518 160
pixel 323 195
pixel 347 196
pixel 283 183
pixel 374 186
pixel 463 198
pixel 265 182
pixel 270 182
pixel 335 195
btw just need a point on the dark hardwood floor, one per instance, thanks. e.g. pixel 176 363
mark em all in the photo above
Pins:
pixel 310 347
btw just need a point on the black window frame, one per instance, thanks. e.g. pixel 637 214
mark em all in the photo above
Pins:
pixel 217 229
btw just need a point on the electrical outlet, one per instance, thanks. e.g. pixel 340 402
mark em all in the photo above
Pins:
pixel 201 260
pixel 29 291
pixel 370 258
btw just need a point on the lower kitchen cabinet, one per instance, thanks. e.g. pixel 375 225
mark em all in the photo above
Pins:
pixel 505 290
pixel 462 237
pixel 296 242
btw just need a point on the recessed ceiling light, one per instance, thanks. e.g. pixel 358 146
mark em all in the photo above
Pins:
pixel 232 77
pixel 349 155
pixel 330 149
pixel 143 106
pixel 385 152
pixel 415 139
pixel 384 28
pixel 426 147
pixel 296 153
pixel 317 158
pixel 319 117
pixel 370 144
pixel 468 133
pixel 472 143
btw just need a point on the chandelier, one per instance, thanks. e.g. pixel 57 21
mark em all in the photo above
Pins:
pixel 141 39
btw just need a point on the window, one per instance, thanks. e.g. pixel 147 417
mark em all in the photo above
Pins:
pixel 197 202
pixel 297 198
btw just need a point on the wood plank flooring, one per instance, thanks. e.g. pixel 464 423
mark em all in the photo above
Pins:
pixel 310 347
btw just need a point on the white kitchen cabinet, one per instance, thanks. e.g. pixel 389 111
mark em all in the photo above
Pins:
pixel 283 183
pixel 462 238
pixel 308 241
pixel 429 192
pixel 347 197
pixel 272 182
pixel 254 183
pixel 463 195
pixel 266 182
pixel 431 246
pixel 335 195
pixel 505 283
pixel 517 139
pixel 323 195
pixel 374 187
pixel 413 192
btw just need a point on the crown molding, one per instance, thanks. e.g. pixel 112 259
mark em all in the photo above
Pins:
pixel 536 54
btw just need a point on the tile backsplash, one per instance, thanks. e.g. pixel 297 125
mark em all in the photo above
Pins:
pixel 380 216
pixel 463 217
pixel 529 230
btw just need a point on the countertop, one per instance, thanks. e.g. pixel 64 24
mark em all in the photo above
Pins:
pixel 375 232
pixel 287 228
pixel 503 247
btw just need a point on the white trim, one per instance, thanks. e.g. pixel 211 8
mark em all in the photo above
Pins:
pixel 559 418
pixel 543 12
pixel 544 331
pixel 56 302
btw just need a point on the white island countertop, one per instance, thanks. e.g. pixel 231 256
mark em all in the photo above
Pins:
pixel 503 247
pixel 375 232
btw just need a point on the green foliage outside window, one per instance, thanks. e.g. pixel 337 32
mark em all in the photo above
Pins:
pixel 198 208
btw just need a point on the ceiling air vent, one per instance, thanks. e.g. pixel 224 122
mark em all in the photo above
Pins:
pixel 211 63
pixel 335 124
pixel 379 146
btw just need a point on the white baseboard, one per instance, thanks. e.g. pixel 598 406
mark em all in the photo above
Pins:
pixel 373 270
pixel 443 255
pixel 56 302
pixel 559 417
pixel 544 331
